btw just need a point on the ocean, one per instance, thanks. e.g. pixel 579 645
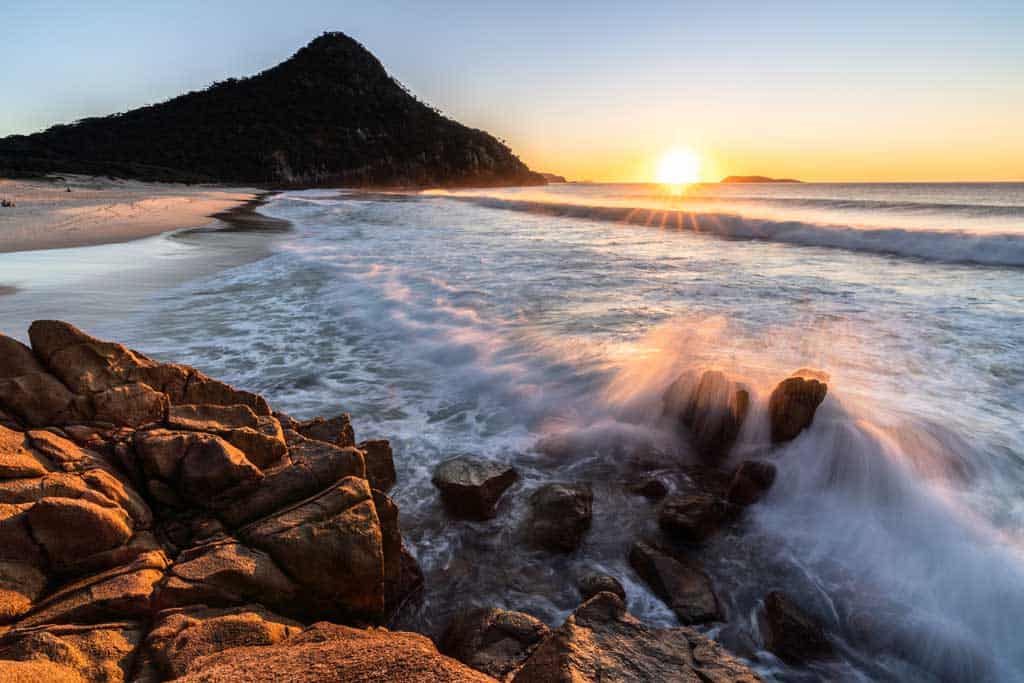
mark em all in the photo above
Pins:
pixel 540 326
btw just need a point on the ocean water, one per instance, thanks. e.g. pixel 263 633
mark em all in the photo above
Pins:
pixel 540 327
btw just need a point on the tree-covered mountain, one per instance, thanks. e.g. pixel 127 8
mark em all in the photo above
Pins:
pixel 330 115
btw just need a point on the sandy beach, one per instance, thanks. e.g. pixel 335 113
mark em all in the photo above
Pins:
pixel 113 244
pixel 103 211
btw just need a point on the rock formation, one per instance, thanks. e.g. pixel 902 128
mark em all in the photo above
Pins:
pixel 793 403
pixel 157 524
pixel 138 494
pixel 560 516
pixel 790 633
pixel 600 641
pixel 471 487
pixel 710 410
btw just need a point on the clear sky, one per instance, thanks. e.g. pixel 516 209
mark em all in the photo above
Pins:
pixel 592 90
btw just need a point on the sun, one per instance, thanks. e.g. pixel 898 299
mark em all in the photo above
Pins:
pixel 679 167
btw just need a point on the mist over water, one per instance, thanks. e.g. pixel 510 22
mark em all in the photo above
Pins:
pixel 546 338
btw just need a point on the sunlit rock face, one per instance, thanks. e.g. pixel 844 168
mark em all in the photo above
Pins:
pixel 156 488
pixel 168 526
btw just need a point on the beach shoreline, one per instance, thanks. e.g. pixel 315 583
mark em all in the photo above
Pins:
pixel 79 211
pixel 125 262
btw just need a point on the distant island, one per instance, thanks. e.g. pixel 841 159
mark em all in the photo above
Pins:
pixel 330 115
pixel 756 179
pixel 552 178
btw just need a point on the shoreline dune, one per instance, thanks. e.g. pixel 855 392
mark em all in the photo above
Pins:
pixel 106 211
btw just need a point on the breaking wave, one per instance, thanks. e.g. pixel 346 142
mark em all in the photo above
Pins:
pixel 947 246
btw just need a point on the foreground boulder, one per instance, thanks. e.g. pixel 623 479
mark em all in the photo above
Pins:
pixel 471 487
pixel 679 581
pixel 793 403
pixel 600 641
pixel 560 516
pixel 328 652
pixel 710 409
pixel 790 633
pixel 493 641
pixel 150 514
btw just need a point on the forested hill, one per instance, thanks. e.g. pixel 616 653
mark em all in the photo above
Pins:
pixel 330 115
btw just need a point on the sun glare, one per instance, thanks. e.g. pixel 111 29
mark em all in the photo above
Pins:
pixel 678 167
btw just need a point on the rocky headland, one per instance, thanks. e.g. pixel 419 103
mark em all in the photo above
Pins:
pixel 330 116
pixel 157 524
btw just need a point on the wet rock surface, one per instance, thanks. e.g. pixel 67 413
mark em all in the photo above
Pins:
pixel 560 515
pixel 493 641
pixel 471 487
pixel 157 524
pixel 601 641
pixel 680 581
pixel 710 410
pixel 750 482
pixel 791 633
pixel 594 583
pixel 793 403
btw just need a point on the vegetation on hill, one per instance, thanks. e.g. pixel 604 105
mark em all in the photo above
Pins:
pixel 330 115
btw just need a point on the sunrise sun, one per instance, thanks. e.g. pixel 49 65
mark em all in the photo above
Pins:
pixel 678 166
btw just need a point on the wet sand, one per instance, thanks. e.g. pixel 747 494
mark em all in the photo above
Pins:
pixel 105 211
pixel 84 284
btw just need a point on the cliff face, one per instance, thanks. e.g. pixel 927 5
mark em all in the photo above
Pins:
pixel 330 115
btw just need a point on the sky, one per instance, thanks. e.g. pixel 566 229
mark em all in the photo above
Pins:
pixel 894 91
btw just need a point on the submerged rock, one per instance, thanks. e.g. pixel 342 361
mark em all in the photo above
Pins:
pixel 750 482
pixel 600 641
pixel 494 641
pixel 793 403
pixel 559 516
pixel 471 487
pixel 681 582
pixel 652 489
pixel 711 410
pixel 791 633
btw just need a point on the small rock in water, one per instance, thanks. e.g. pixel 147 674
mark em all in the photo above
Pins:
pixel 471 487
pixel 592 584
pixel 560 516
pixel 750 482
pixel 493 641
pixel 693 515
pixel 792 405
pixel 652 489
pixel 679 581
pixel 792 634
pixel 712 412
